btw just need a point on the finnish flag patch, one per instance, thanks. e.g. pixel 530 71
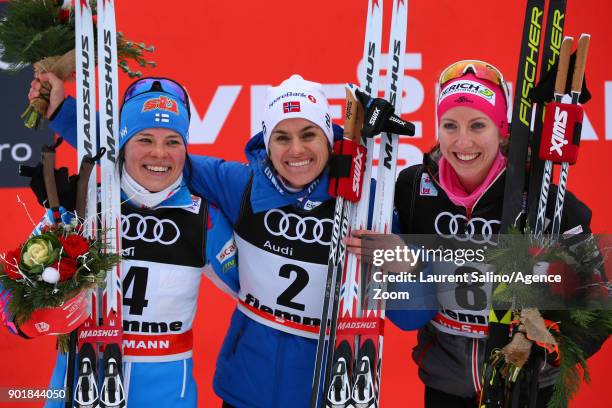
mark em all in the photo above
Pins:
pixel 427 187
pixel 162 117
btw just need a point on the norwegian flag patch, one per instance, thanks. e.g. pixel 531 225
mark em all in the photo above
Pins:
pixel 293 106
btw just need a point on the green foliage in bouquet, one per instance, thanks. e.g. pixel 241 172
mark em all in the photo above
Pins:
pixel 41 33
pixel 583 310
pixel 33 30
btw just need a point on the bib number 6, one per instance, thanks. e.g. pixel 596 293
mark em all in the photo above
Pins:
pixel 300 280
pixel 470 296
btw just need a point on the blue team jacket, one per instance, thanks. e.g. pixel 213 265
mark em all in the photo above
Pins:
pixel 273 368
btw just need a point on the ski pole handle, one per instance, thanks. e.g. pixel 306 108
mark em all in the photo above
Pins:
pixel 347 163
pixel 48 161
pixel 379 116
pixel 562 69
pixel 577 79
pixel 398 126
pixel 354 114
pixel 87 165
pixel 580 64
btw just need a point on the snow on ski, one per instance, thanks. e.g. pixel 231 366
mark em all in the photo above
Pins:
pixel 111 390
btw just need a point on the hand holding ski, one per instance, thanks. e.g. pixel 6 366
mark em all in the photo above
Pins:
pixel 380 117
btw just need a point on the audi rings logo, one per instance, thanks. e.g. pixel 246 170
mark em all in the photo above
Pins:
pixel 293 227
pixel 476 230
pixel 149 229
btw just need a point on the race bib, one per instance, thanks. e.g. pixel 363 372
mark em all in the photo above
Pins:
pixel 464 307
pixel 280 292
pixel 159 305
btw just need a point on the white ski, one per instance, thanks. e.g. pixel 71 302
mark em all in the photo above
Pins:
pixel 111 390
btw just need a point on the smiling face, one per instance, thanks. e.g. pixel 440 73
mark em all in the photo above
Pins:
pixel 155 158
pixel 469 141
pixel 299 151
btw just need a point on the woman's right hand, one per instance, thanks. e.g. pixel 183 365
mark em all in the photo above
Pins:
pixel 55 94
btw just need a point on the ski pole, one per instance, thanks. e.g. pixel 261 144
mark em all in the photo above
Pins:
pixel 352 133
pixel 561 79
pixel 48 161
pixel 577 78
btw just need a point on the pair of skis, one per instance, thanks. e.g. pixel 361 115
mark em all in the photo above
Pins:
pixel 549 134
pixel 102 331
pixel 522 168
pixel 351 373
pixel 526 121
pixel 522 181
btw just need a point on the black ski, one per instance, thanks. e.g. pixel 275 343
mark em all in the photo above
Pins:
pixel 555 20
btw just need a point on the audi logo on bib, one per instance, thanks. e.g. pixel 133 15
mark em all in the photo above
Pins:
pixel 293 227
pixel 458 227
pixel 149 229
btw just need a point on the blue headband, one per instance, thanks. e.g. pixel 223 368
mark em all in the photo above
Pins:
pixel 153 110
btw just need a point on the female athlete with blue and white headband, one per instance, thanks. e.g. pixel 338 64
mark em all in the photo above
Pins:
pixel 169 235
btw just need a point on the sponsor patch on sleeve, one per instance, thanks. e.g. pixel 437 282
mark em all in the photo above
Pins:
pixel 427 187
pixel 196 203
pixel 228 250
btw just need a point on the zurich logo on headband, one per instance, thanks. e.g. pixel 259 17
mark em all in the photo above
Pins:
pixel 468 87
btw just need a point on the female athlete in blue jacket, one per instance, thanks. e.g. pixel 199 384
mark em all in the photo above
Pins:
pixel 282 217
pixel 169 236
